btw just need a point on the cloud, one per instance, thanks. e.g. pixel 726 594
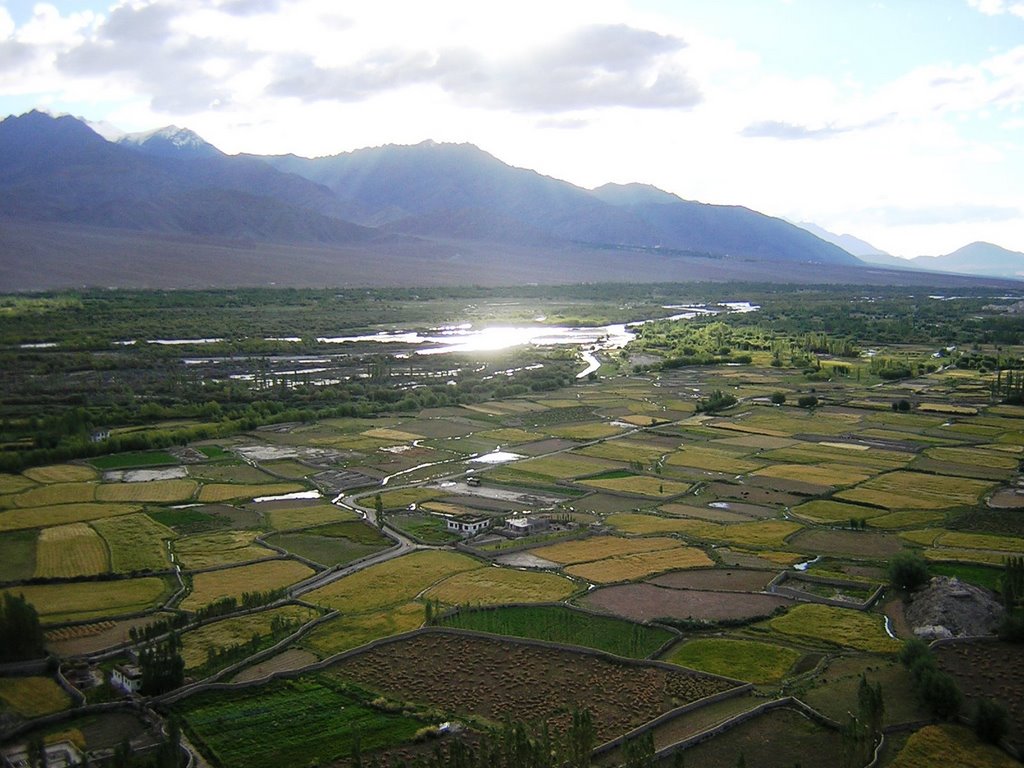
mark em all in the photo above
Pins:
pixel 777 129
pixel 595 66
pixel 943 214
pixel 997 7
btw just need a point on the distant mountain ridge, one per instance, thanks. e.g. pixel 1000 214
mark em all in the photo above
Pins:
pixel 414 204
pixel 978 258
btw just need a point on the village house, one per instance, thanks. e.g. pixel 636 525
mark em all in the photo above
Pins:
pixel 467 525
pixel 127 677
pixel 526 526
pixel 60 754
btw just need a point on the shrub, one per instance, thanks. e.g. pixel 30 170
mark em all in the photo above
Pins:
pixel 908 571
pixel 807 401
pixel 778 398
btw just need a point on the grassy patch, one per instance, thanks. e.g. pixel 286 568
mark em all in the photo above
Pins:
pixel 403 497
pixel 231 473
pixel 429 528
pixel 819 474
pixel 33 696
pixel 741 659
pixel 592 431
pixel 600 547
pixel 561 624
pixel 52 494
pixel 136 542
pixel 93 599
pixel 906 519
pixel 828 511
pixel 842 626
pixel 234 582
pixel 14 484
pixel 69 551
pixel 917 490
pixel 327 550
pixel 950 745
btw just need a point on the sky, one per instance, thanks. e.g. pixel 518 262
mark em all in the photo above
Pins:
pixel 899 122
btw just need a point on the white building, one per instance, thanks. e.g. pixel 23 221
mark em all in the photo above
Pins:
pixel 127 677
pixel 467 525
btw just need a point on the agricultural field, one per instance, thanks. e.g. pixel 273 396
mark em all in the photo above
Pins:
pixel 70 551
pixel 136 543
pixel 562 624
pixel 333 544
pixel 211 493
pixel 94 599
pixel 295 518
pixel 639 565
pixel 207 550
pixel 489 677
pixel 496 586
pixel 747 660
pixel 313 718
pixel 62 514
pixel 840 626
pixel 950 745
pixel 155 491
pixel 32 696
pixel 199 644
pixel 210 586
pixel 647 602
pixel 351 630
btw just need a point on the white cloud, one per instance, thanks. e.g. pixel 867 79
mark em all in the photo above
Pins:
pixel 997 7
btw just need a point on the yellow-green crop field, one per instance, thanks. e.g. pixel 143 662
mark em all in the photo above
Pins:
pixel 591 431
pixel 352 630
pixel 841 626
pixel 155 491
pixel 308 517
pixel 641 485
pixel 496 586
pixel 640 564
pixel 61 473
pixel 623 450
pixel 236 630
pixel 392 435
pixel 136 542
pixel 840 453
pixel 18 519
pixel 220 548
pixel 917 490
pixel 232 473
pixel 210 586
pixel 990 457
pixel 509 436
pixel 633 523
pixel 600 547
pixel 10 484
pixel 565 465
pixel 746 660
pixel 33 696
pixel 55 493
pixel 403 497
pixel 819 474
pixel 963 540
pixel 906 519
pixel 215 492
pixel 69 551
pixel 759 533
pixel 92 599
pixel 712 460
pixel 393 582
pixel 828 511
pixel 948 554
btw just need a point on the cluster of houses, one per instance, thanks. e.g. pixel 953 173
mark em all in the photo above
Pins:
pixel 468 525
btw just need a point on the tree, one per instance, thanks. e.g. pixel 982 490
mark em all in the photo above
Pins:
pixel 908 571
pixel 163 668
pixel 639 752
pixel 807 401
pixel 778 398
pixel 581 737
pixel 990 720
pixel 21 636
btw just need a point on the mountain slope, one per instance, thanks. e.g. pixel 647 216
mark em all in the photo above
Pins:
pixel 60 170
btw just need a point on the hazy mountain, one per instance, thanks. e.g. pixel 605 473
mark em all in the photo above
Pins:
pixel 60 170
pixel 437 190
pixel 862 249
pixel 977 259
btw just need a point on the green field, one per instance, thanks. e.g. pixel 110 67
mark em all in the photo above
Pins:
pixel 220 548
pixel 211 586
pixel 17 555
pixel 136 543
pixel 353 630
pixel 746 660
pixel 32 696
pixel 309 720
pixel 307 517
pixel 327 550
pixel 70 551
pixel 561 624
pixel 197 644
pixel 134 459
pixel 841 626
pixel 61 514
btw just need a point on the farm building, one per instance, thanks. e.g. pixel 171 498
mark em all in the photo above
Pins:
pixel 60 754
pixel 127 677
pixel 525 526
pixel 467 525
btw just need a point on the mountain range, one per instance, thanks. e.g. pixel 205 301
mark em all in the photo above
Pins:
pixel 167 208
